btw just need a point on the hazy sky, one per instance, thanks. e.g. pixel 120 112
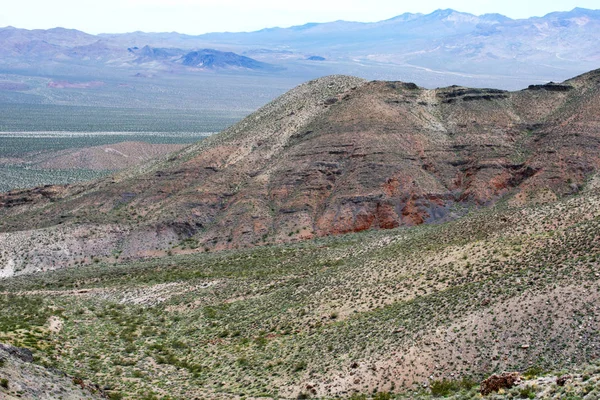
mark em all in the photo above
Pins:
pixel 201 16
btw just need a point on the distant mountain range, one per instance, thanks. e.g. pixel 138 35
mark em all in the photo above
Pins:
pixel 445 41
pixel 31 48
pixel 433 50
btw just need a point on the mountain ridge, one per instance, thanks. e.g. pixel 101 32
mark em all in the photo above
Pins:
pixel 436 46
pixel 408 15
pixel 333 156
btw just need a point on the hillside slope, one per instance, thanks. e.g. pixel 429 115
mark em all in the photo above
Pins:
pixel 335 155
pixel 398 310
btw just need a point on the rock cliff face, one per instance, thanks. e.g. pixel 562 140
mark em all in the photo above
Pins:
pixel 335 155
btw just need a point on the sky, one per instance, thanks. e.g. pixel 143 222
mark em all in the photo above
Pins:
pixel 202 16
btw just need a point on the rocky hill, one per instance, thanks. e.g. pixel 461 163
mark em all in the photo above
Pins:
pixel 204 58
pixel 333 156
pixel 351 239
pixel 408 313
pixel 212 59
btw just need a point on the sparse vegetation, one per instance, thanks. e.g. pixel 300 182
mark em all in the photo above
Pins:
pixel 87 123
pixel 397 313
pixel 246 317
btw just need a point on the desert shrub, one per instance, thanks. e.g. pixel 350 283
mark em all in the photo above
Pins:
pixel 467 383
pixel 533 372
pixel 137 374
pixel 443 387
pixel 4 383
pixel 446 386
pixel 300 366
pixel 149 396
pixel 382 396
pixel 261 341
pixel 528 392
pixel 115 395
pixel 178 344
pixel 357 396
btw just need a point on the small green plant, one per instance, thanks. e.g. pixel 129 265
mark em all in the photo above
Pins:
pixel 149 396
pixel 357 396
pixel 300 366
pixel 4 383
pixel 528 392
pixel 382 396
pixel 533 372
pixel 446 386
pixel 442 388
pixel 137 374
pixel 115 395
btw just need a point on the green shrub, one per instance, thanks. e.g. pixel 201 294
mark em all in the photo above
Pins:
pixel 533 372
pixel 137 374
pixel 443 387
pixel 382 396
pixel 467 383
pixel 357 396
pixel 528 392
pixel 446 386
pixel 300 366
pixel 149 396
pixel 178 344
pixel 4 383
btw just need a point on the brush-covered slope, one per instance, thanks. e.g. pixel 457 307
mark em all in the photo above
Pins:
pixel 513 289
pixel 332 156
